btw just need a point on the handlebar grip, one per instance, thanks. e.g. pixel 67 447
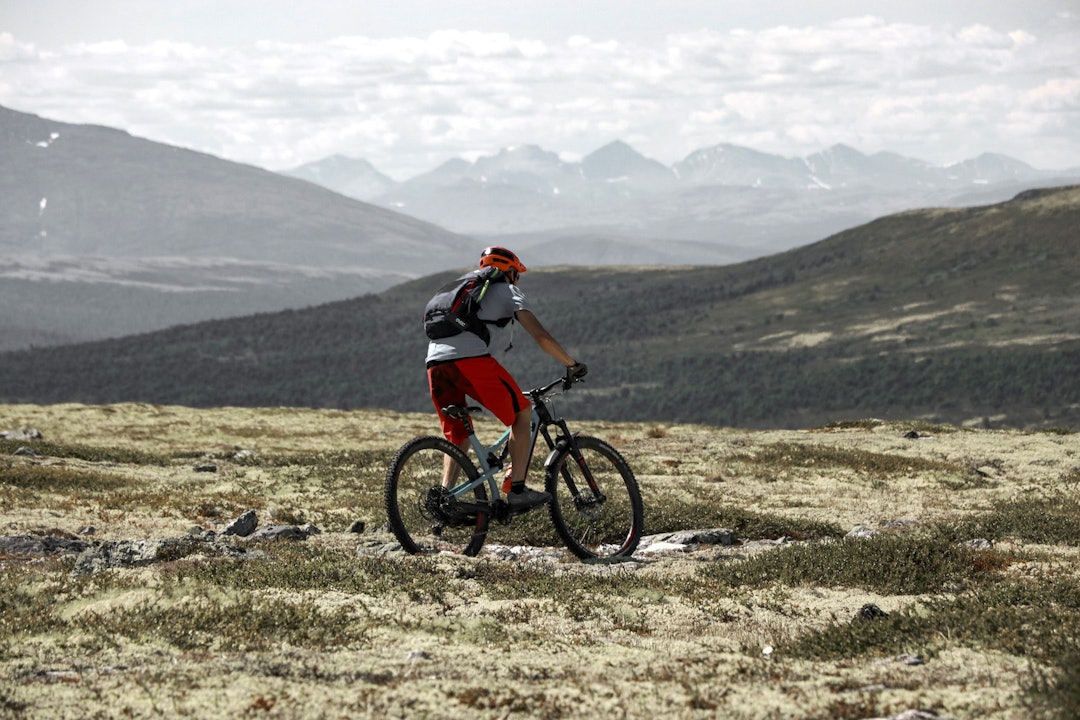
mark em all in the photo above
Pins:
pixel 574 373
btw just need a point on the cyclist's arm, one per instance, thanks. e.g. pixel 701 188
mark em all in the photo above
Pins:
pixel 542 337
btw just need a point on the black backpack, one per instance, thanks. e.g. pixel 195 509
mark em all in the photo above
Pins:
pixel 453 309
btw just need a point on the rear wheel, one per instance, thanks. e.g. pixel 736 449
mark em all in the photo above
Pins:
pixel 422 515
pixel 596 505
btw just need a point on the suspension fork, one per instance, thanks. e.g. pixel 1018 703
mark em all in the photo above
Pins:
pixel 566 441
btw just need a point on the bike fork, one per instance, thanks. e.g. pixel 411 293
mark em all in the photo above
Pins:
pixel 566 442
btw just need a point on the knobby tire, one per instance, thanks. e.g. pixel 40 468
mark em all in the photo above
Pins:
pixel 590 527
pixel 415 471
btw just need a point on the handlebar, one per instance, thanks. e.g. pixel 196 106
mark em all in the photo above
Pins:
pixel 574 374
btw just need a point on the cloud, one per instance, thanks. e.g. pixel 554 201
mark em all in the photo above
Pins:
pixel 12 51
pixel 409 103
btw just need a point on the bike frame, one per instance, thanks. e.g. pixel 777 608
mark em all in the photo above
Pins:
pixel 456 512
pixel 491 457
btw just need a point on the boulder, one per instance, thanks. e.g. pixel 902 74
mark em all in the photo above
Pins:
pixel 113 554
pixel 26 433
pixel 243 525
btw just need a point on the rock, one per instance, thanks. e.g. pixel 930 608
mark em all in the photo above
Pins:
pixel 862 532
pixel 716 536
pixel 25 451
pixel 662 546
pixel 899 524
pixel 26 433
pixel 357 527
pixel 978 544
pixel 285 532
pixel 381 549
pixel 766 543
pixel 681 540
pixel 869 612
pixel 524 553
pixel 36 545
pixel 206 468
pixel 243 525
pixel 614 560
pixel 115 554
pixel 906 658
pixel 914 715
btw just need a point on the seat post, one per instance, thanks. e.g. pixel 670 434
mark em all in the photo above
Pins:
pixel 462 413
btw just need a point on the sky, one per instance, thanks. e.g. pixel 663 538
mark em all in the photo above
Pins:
pixel 410 84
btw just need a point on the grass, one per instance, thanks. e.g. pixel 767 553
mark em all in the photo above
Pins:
pixel 887 564
pixel 238 625
pixel 307 567
pixel 800 455
pixel 1019 617
pixel 52 479
pixel 334 626
pixel 670 511
pixel 1046 519
pixel 100 454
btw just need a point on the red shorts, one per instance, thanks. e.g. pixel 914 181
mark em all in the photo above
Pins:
pixel 485 380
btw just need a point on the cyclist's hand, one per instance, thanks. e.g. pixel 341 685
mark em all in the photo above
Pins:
pixel 574 373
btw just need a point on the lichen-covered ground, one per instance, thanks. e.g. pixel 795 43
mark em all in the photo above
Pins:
pixel 338 625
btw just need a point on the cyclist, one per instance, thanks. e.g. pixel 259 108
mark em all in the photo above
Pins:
pixel 462 365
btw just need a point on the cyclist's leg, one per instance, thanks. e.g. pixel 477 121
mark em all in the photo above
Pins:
pixel 451 470
pixel 447 385
pixel 494 387
pixel 520 433
pixel 421 517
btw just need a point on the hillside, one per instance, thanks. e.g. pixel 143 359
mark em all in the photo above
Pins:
pixel 95 223
pixel 957 315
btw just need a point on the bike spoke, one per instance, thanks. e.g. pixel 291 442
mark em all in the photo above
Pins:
pixel 423 516
pixel 597 506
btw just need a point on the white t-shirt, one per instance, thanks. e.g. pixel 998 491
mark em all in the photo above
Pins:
pixel 500 302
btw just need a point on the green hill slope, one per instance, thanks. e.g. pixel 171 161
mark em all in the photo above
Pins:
pixel 948 315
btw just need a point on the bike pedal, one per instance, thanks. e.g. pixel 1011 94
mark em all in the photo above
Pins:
pixel 500 510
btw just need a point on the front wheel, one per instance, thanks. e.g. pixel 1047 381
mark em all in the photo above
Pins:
pixel 421 514
pixel 596 505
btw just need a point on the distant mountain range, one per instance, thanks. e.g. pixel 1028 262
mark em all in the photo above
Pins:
pixel 104 234
pixel 943 315
pixel 719 204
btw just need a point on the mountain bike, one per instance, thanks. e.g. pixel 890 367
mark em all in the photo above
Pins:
pixel 438 500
